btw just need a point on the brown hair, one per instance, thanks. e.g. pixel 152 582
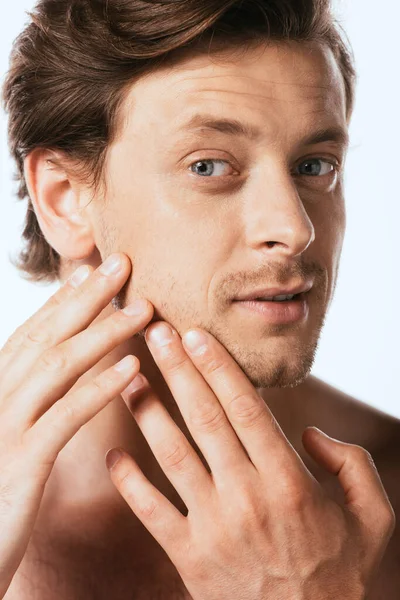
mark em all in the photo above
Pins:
pixel 72 64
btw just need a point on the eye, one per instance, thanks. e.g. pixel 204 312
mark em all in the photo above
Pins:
pixel 316 167
pixel 311 167
pixel 203 168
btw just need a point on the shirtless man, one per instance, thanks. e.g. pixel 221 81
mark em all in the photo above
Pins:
pixel 274 511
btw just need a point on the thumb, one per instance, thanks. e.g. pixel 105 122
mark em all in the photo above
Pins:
pixel 365 495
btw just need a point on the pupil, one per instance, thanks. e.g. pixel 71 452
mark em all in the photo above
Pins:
pixel 202 166
pixel 312 168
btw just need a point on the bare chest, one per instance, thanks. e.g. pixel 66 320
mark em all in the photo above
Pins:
pixel 44 577
pixel 92 586
pixel 386 587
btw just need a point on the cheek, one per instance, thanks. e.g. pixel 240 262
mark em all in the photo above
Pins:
pixel 177 246
pixel 329 220
pixel 172 268
pixel 336 228
pixel 329 240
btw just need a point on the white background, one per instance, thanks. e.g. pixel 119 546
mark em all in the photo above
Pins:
pixel 358 348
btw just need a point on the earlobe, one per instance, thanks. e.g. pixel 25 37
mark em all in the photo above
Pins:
pixel 58 201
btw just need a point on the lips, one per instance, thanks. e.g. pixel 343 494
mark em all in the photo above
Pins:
pixel 276 313
pixel 298 290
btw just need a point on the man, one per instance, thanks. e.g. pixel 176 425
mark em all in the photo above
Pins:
pixel 209 214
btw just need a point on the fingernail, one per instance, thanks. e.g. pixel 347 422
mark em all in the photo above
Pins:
pixel 135 385
pixel 195 341
pixel 80 275
pixel 324 434
pixel 136 308
pixel 112 457
pixel 125 364
pixel 161 335
pixel 111 265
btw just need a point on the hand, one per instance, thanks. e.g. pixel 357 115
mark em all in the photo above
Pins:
pixel 39 364
pixel 260 525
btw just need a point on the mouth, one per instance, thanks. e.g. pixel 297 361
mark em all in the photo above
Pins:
pixel 277 311
pixel 293 298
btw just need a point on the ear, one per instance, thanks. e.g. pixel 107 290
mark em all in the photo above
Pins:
pixel 59 202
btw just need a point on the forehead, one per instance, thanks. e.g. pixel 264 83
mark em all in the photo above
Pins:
pixel 287 85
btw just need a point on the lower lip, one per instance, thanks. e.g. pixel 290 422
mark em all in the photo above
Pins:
pixel 289 311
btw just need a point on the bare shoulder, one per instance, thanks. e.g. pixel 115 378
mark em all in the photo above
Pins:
pixel 355 421
pixel 352 420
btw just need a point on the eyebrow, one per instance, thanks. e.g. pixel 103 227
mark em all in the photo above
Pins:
pixel 234 127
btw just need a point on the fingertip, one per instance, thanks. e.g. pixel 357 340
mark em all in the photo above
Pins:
pixel 138 383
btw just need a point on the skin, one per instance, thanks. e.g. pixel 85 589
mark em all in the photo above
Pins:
pixel 195 245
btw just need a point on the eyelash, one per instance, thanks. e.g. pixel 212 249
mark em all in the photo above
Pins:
pixel 334 163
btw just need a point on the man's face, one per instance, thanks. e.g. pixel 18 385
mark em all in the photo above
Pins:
pixel 196 209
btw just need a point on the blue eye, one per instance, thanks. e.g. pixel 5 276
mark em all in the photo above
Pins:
pixel 311 167
pixel 204 168
pixel 314 167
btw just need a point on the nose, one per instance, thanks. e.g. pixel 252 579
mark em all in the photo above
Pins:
pixel 275 217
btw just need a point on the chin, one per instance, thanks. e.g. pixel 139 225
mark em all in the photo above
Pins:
pixel 283 376
pixel 276 367
pixel 281 357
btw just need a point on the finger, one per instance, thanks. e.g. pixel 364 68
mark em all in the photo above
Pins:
pixel 58 369
pixel 365 495
pixel 11 348
pixel 60 423
pixel 165 523
pixel 256 427
pixel 171 448
pixel 198 404
pixel 72 311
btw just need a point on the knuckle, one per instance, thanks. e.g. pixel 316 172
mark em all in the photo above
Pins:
pixel 248 509
pixel 296 501
pixel 98 384
pixel 361 454
pixel 104 384
pixel 389 519
pixel 245 502
pixel 291 497
pixel 53 360
pixel 38 336
pixel 174 456
pixel 100 280
pixel 123 477
pixel 65 411
pixel 149 511
pixel 57 299
pixel 370 459
pixel 117 326
pixel 246 409
pixel 147 508
pixel 172 361
pixel 78 299
pixel 207 418
pixel 105 380
pixel 213 366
